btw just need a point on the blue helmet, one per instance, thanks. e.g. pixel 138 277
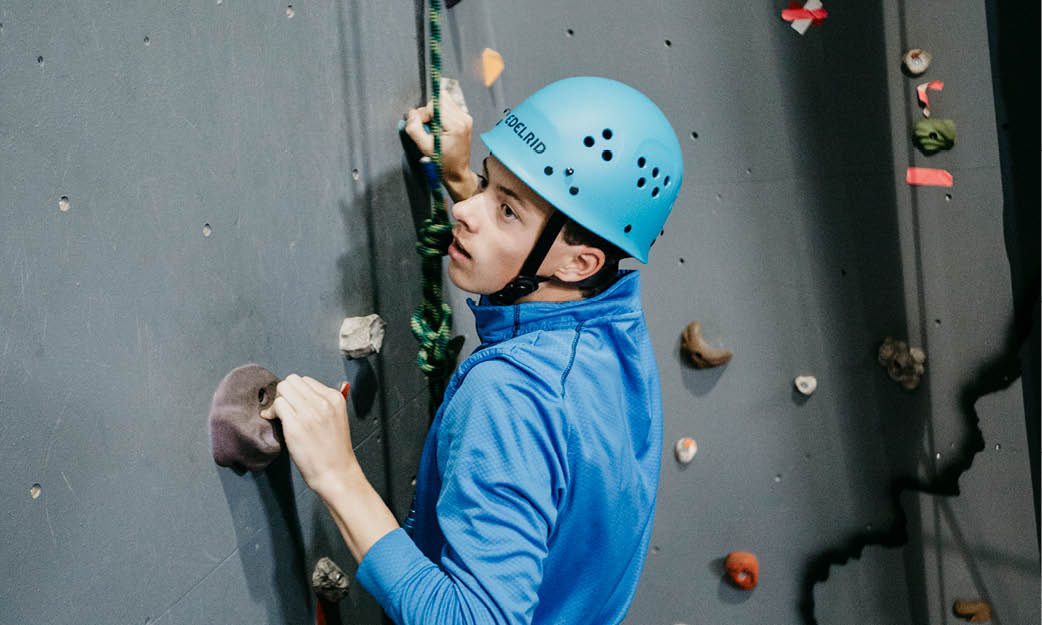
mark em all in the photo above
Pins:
pixel 600 152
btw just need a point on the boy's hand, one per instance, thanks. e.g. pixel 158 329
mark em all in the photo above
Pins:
pixel 315 428
pixel 456 127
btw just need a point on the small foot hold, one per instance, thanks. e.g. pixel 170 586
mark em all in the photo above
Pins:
pixel 916 61
pixel 743 568
pixel 685 450
pixel 806 384
pixel 975 611
pixel 698 352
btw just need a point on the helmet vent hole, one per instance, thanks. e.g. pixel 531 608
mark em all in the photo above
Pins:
pixel 654 192
pixel 641 162
pixel 665 181
pixel 606 133
pixel 569 171
pixel 574 190
pixel 628 228
pixel 588 142
pixel 548 170
pixel 606 155
pixel 640 182
pixel 654 173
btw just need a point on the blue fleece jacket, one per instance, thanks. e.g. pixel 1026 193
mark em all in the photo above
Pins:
pixel 536 489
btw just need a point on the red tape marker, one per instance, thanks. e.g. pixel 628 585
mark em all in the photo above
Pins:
pixel 344 388
pixel 936 85
pixel 797 12
pixel 929 177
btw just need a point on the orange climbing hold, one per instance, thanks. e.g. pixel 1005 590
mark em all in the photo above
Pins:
pixel 491 66
pixel 743 569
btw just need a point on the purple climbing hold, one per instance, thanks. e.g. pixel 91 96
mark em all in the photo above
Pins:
pixel 239 436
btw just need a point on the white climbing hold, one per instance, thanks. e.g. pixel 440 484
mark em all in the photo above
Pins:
pixel 361 336
pixel 916 61
pixel 806 384
pixel 685 450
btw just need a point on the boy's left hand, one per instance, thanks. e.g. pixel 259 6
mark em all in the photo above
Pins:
pixel 315 428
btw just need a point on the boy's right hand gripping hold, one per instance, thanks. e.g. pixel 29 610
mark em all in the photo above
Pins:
pixel 456 125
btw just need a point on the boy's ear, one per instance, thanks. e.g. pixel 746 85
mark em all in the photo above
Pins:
pixel 583 261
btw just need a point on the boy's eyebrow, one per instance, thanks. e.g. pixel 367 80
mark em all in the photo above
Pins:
pixel 504 190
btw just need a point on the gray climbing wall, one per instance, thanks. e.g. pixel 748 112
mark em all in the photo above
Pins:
pixel 235 187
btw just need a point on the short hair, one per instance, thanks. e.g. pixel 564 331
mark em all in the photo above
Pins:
pixel 575 233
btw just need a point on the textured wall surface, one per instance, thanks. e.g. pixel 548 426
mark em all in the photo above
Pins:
pixel 235 187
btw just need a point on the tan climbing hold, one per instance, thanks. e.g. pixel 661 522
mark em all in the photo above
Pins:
pixel 905 365
pixel 362 336
pixel 491 66
pixel 975 611
pixel 329 581
pixel 698 352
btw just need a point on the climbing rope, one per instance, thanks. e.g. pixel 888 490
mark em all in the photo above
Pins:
pixel 432 321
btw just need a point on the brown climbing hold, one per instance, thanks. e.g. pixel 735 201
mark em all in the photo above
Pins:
pixel 973 611
pixel 743 569
pixel 329 581
pixel 698 352
pixel 905 365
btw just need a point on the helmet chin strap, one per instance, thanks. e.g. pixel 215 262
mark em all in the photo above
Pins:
pixel 527 281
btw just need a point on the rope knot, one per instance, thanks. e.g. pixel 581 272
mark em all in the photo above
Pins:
pixel 435 237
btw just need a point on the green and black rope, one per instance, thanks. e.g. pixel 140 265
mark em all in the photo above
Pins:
pixel 432 321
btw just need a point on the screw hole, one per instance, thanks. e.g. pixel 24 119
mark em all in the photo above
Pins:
pixel 147 41
pixel 207 230
pixel 63 204
pixel 35 490
pixel 947 197
pixel 39 60
pixel 290 12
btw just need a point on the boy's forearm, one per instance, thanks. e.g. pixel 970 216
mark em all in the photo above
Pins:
pixel 461 186
pixel 359 512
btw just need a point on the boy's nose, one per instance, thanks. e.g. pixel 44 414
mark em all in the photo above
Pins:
pixel 463 212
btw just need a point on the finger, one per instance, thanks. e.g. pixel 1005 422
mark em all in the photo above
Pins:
pixel 284 410
pixel 328 393
pixel 414 128
pixel 294 391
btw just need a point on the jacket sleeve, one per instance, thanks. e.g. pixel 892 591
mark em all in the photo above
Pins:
pixel 501 451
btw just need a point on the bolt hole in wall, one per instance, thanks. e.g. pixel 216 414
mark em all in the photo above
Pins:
pixel 39 60
pixel 569 32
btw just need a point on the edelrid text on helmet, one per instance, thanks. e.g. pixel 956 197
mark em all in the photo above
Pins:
pixel 599 151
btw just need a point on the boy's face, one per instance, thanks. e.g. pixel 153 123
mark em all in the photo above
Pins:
pixel 495 230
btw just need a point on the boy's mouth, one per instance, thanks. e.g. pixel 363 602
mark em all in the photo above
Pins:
pixel 459 247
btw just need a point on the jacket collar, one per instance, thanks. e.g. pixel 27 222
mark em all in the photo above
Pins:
pixel 499 323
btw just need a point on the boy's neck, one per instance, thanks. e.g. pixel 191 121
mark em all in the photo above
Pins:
pixel 552 292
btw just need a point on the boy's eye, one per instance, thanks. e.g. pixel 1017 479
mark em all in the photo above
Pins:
pixel 508 212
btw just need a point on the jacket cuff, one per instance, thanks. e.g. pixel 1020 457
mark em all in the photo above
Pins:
pixel 386 563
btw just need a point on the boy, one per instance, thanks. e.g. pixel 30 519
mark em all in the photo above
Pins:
pixel 536 489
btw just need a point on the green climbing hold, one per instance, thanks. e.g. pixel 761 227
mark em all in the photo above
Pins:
pixel 933 135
